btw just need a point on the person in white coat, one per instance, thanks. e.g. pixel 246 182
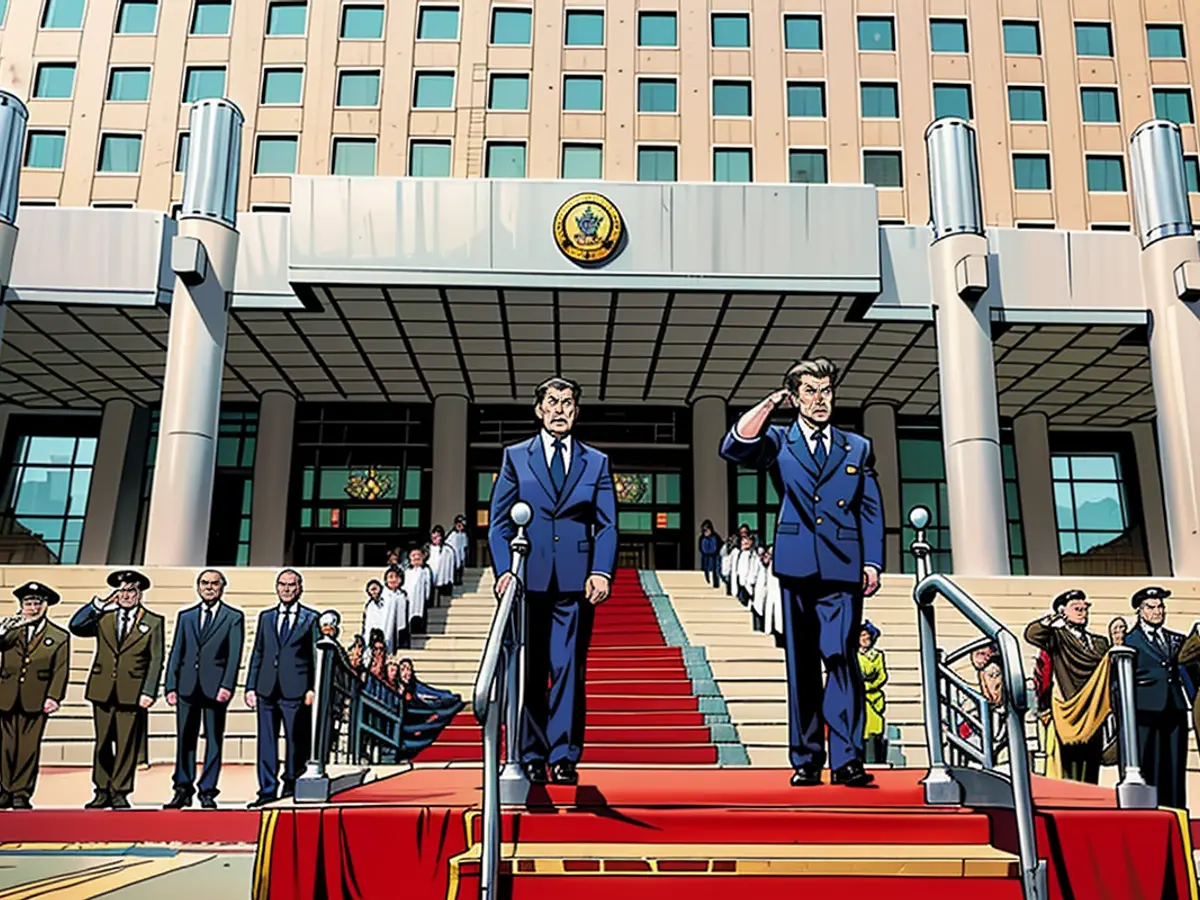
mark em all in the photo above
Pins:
pixel 418 582
pixel 394 593
pixel 728 552
pixel 441 563
pixel 772 602
pixel 745 569
pixel 458 541
pixel 381 613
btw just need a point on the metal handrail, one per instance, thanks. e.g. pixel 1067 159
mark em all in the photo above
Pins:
pixel 941 785
pixel 505 642
pixel 1132 790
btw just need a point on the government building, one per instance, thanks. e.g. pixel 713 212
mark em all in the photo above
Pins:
pixel 280 277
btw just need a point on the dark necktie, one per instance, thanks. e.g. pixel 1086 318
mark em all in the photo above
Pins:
pixel 558 471
pixel 125 615
pixel 286 631
pixel 207 617
pixel 819 454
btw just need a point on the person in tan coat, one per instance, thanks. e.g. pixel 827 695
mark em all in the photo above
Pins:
pixel 35 661
pixel 1075 655
pixel 124 681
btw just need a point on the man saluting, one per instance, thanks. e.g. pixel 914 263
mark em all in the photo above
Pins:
pixel 33 682
pixel 828 556
pixel 124 681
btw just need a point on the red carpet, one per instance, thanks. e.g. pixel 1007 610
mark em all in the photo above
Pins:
pixel 631 674
pixel 332 853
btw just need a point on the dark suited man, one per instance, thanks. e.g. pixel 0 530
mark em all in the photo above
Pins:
pixel 1160 696
pixel 35 660
pixel 201 675
pixel 828 556
pixel 573 548
pixel 124 681
pixel 280 682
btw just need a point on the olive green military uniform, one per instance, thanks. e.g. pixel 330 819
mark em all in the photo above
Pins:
pixel 32 671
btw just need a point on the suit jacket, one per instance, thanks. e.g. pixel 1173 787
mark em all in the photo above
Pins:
pixel 830 522
pixel 31 674
pixel 572 534
pixel 1072 661
pixel 710 546
pixel 287 671
pixel 1159 682
pixel 200 665
pixel 122 670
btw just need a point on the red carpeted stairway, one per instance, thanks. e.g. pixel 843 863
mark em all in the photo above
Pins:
pixel 641 708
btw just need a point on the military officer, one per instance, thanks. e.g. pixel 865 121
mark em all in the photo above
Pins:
pixel 124 681
pixel 34 668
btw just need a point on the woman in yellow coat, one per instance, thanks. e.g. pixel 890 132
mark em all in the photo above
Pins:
pixel 874 673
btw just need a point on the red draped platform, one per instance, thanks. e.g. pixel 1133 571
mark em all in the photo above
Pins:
pixel 416 835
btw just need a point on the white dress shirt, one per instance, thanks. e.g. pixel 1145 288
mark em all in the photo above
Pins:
pixel 548 446
pixel 1154 634
pixel 284 613
pixel 34 629
pixel 208 614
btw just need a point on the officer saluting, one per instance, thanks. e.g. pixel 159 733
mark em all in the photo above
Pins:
pixel 34 666
pixel 124 681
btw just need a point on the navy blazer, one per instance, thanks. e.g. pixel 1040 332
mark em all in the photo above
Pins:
pixel 288 672
pixel 572 535
pixel 203 664
pixel 1160 684
pixel 830 522
pixel 710 545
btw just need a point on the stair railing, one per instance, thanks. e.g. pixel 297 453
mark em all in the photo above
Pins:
pixel 1132 790
pixel 980 781
pixel 500 681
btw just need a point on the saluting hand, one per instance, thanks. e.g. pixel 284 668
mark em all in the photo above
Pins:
pixel 782 397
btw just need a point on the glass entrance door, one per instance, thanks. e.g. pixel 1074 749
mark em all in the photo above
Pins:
pixel 649 519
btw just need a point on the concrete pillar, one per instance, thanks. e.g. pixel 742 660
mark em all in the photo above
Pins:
pixel 203 257
pixel 879 424
pixel 1171 279
pixel 710 473
pixel 449 459
pixel 116 489
pixel 272 478
pixel 1035 488
pixel 958 262
pixel 1154 513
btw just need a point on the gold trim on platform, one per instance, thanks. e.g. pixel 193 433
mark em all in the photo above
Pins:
pixel 1185 828
pixel 262 857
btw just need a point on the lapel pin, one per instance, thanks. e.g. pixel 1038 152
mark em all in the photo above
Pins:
pixel 143 628
pixel 850 470
pixel 49 642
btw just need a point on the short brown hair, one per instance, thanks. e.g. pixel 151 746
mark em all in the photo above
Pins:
pixel 814 368
pixel 559 384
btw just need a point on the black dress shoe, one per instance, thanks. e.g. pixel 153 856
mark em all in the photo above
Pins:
pixel 100 801
pixel 181 800
pixel 806 776
pixel 852 774
pixel 21 802
pixel 259 802
pixel 535 772
pixel 564 773
pixel 120 802
pixel 208 803
pixel 6 801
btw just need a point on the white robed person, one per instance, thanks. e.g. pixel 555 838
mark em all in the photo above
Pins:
pixel 418 582
pixel 458 540
pixel 381 613
pixel 768 597
pixel 441 560
pixel 397 597
pixel 746 568
pixel 728 552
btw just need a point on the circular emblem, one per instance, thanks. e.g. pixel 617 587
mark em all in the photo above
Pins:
pixel 588 229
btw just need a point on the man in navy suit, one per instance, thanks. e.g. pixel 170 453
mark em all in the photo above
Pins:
pixel 201 675
pixel 573 548
pixel 1162 690
pixel 828 556
pixel 280 682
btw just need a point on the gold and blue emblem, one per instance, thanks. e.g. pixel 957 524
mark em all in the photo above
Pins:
pixel 588 229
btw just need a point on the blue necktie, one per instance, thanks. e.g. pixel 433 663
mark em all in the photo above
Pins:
pixel 819 454
pixel 558 471
pixel 286 631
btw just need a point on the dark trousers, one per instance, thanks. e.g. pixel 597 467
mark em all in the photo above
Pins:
pixel 1162 749
pixel 190 712
pixel 458 573
pixel 417 625
pixel 403 639
pixel 821 622
pixel 1081 762
pixel 119 731
pixel 20 748
pixel 296 719
pixel 758 621
pixel 743 596
pixel 560 629
pixel 711 566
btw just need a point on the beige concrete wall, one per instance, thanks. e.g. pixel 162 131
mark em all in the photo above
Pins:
pixel 619 128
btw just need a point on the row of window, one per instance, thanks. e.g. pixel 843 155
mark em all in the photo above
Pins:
pixel 585 27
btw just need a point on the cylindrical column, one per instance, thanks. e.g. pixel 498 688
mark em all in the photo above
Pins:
pixel 204 257
pixel 13 119
pixel 1154 514
pixel 1164 227
pixel 1035 488
pixel 449 459
pixel 710 473
pixel 108 469
pixel 272 478
pixel 879 424
pixel 966 365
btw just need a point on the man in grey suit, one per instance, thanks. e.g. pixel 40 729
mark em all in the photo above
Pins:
pixel 200 678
